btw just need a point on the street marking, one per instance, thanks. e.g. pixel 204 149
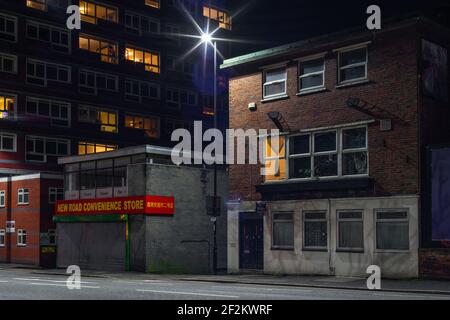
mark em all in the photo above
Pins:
pixel 48 280
pixel 59 285
pixel 189 293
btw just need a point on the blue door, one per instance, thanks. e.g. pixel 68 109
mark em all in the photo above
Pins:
pixel 251 241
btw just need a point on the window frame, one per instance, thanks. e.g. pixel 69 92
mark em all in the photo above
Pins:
pixel 54 191
pixel 146 117
pixel 407 220
pixel 45 79
pixel 265 83
pixel 11 57
pixel 338 220
pixel 51 30
pixel 21 193
pixel 355 65
pixel 51 103
pixel 10 135
pixel 15 21
pixel 45 154
pixel 306 75
pixel 109 58
pixel 105 6
pixel 2 199
pixel 281 247
pixel 327 223
pixel 96 75
pixel 6 95
pixel 140 96
pixel 21 238
pixel 97 121
pixel 145 52
pixel 2 238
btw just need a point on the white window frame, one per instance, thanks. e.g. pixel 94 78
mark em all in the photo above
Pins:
pixel 2 198
pixel 140 96
pixel 21 238
pixel 339 150
pixel 327 222
pixel 366 64
pixel 51 29
pixel 52 191
pixel 339 219
pixel 407 220
pixel 14 19
pixel 11 96
pixel 50 116
pixel 21 193
pixel 2 238
pixel 279 247
pixel 4 56
pixel 97 121
pixel 265 83
pixel 306 75
pixel 10 135
pixel 58 66
pixel 279 157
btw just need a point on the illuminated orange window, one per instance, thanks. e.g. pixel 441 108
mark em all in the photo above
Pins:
pixel 7 107
pixel 150 60
pixel 153 3
pixel 91 12
pixel 222 17
pixel 107 50
pixel 85 148
pixel 275 158
pixel 37 4
pixel 150 125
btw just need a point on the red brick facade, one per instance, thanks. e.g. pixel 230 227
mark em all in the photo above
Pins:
pixel 35 217
pixel 397 158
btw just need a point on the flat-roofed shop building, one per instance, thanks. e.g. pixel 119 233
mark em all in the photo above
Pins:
pixel 132 209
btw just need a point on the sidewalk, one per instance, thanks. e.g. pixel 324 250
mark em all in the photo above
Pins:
pixel 410 286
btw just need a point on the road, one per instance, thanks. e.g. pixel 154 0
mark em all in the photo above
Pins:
pixel 20 284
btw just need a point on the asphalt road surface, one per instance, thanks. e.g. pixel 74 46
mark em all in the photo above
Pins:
pixel 18 284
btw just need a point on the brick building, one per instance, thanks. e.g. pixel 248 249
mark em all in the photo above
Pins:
pixel 26 211
pixel 120 81
pixel 357 111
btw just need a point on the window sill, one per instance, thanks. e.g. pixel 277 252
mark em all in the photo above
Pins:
pixel 378 251
pixel 21 245
pixel 312 91
pixel 349 251
pixel 282 249
pixel 352 84
pixel 275 98
pixel 315 250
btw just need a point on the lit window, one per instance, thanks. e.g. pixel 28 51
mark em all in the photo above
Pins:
pixel 107 120
pixel 353 65
pixel 149 124
pixel 315 231
pixel 23 196
pixel 149 59
pixel 153 3
pixel 90 12
pixel 392 230
pixel 21 238
pixel 7 107
pixel 222 17
pixel 274 83
pixel 107 50
pixel 275 158
pixel 37 4
pixel 312 74
pixel 92 148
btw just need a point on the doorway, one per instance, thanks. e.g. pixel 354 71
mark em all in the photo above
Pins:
pixel 251 241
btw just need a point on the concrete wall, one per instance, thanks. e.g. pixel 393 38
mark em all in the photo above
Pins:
pixel 182 243
pixel 400 264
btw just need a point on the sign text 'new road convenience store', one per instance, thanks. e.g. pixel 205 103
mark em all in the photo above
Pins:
pixel 150 205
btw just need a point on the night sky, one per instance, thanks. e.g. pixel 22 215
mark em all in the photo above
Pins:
pixel 270 23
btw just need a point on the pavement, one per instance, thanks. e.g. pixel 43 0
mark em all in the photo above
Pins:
pixel 20 283
pixel 387 285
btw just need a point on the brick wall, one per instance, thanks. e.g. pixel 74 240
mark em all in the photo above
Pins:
pixel 392 71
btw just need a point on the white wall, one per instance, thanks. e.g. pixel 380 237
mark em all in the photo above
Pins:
pixel 401 264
